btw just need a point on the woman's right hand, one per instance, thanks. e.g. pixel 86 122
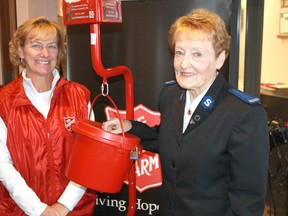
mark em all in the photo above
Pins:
pixel 113 125
pixel 57 209
pixel 50 211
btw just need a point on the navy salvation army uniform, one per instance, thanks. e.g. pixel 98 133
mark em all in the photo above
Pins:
pixel 218 166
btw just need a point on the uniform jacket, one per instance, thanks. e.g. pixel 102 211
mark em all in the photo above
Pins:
pixel 40 147
pixel 219 165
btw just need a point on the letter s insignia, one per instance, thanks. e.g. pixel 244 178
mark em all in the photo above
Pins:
pixel 207 102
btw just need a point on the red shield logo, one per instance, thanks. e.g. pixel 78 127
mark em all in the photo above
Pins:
pixel 148 167
pixel 68 121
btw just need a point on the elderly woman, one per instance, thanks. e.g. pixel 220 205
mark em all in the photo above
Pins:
pixel 213 140
pixel 36 114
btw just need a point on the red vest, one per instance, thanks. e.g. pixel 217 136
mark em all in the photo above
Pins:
pixel 40 147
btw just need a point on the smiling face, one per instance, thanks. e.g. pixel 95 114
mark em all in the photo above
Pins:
pixel 195 64
pixel 200 44
pixel 40 55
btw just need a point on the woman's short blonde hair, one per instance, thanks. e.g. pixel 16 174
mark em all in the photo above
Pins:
pixel 201 24
pixel 36 28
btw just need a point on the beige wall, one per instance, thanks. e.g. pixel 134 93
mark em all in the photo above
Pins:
pixel 242 45
pixel 30 8
pixel 275 50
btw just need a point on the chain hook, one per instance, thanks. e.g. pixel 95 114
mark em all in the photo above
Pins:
pixel 104 88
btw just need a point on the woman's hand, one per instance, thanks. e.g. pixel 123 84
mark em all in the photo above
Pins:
pixel 113 125
pixel 61 208
pixel 50 211
pixel 57 209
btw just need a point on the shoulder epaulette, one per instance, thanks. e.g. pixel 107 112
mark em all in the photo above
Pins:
pixel 244 96
pixel 171 82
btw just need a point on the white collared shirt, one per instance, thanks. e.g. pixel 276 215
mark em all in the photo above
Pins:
pixel 191 107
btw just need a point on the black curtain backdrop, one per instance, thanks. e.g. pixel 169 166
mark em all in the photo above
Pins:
pixel 140 43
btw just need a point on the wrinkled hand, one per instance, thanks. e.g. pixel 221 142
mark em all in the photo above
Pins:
pixel 56 209
pixel 50 211
pixel 113 125
pixel 61 208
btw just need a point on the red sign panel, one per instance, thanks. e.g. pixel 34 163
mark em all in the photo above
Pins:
pixel 92 11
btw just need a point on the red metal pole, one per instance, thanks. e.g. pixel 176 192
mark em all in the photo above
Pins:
pixel 115 71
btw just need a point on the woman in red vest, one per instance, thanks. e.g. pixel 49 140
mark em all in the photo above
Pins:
pixel 36 114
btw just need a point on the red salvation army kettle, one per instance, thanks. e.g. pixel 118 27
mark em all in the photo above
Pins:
pixel 100 160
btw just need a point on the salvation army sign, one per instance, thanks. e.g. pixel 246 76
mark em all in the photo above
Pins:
pixel 141 113
pixel 148 171
pixel 148 167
